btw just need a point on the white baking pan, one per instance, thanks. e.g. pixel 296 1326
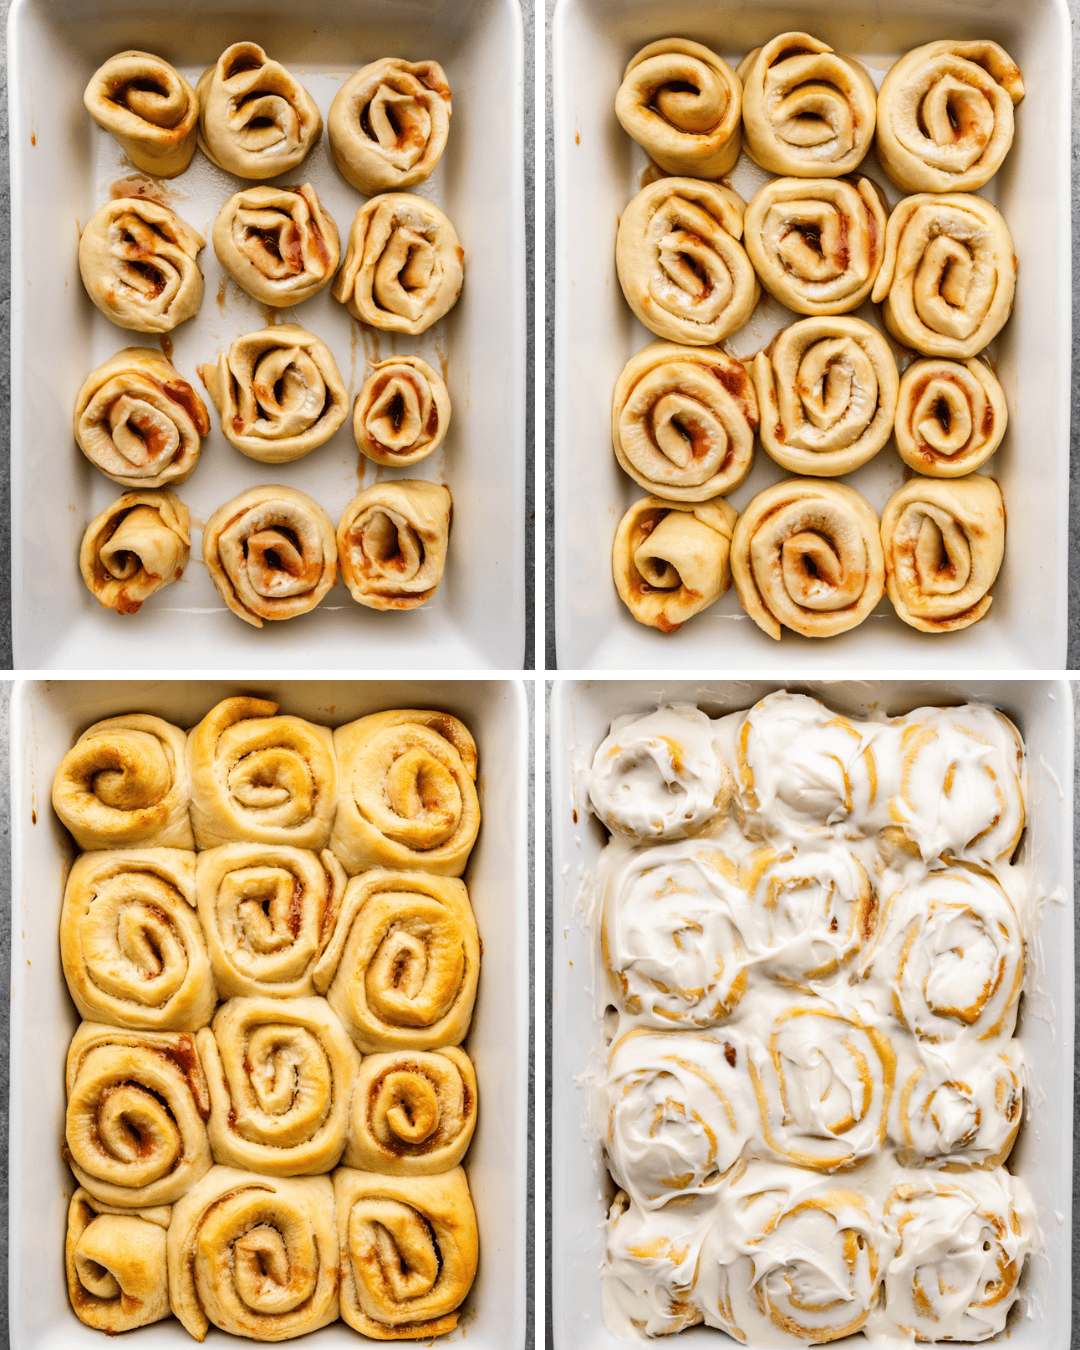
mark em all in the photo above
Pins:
pixel 46 716
pixel 580 715
pixel 62 167
pixel 597 172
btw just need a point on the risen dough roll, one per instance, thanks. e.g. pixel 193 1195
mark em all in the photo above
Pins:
pixel 271 553
pixel 260 778
pixel 816 243
pixel 683 421
pixel 402 413
pixel 681 266
pixel 138 264
pixel 388 124
pixel 139 421
pixel 947 281
pixel 806 110
pixel 409 1251
pixel 277 243
pixel 124 783
pixel 149 107
pixel 944 540
pixel 670 560
pixel 945 116
pixel 950 416
pixel 279 393
pixel 135 547
pixel 682 103
pixel 403 268
pixel 115 1260
pixel 392 541
pixel 806 554
pixel 827 392
pixel 255 119
pixel 407 792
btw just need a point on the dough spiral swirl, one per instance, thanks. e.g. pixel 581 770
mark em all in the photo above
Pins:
pixel 960 1114
pixel 115 1260
pixel 137 546
pixel 278 244
pixel 392 540
pixel 950 416
pixel 402 413
pixel 149 107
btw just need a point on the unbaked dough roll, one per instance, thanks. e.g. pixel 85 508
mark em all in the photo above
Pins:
pixel 806 110
pixel 137 1103
pixel 124 783
pixel 944 540
pixel 408 795
pixel 409 1251
pixel 827 391
pixel 807 554
pixel 683 421
pixel 271 553
pixel 817 243
pixel 671 560
pixel 279 393
pixel 115 1260
pixel 261 779
pixel 138 263
pixel 388 124
pixel 404 265
pixel 950 416
pixel 682 103
pixel 402 965
pixel 139 421
pixel 254 1255
pixel 278 244
pixel 945 115
pixel 947 281
pixel 681 266
pixel 149 107
pixel 392 540
pixel 138 545
pixel 255 119
pixel 402 413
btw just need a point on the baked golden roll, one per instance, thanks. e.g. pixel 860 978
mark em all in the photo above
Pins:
pixel 671 560
pixel 408 795
pixel 137 1103
pixel 279 244
pixel 139 421
pixel 950 416
pixel 947 280
pixel 149 107
pixel 267 911
pixel 271 553
pixel 827 390
pixel 138 263
pixel 681 266
pixel 816 243
pixel 682 103
pixel 392 540
pixel 257 778
pixel 404 265
pixel 115 1260
pixel 807 110
pixel 255 119
pixel 413 1112
pixel 957 1114
pixel 806 554
pixel 132 948
pixel 945 116
pixel 402 965
pixel 254 1255
pixel 138 545
pixel 402 413
pixel 388 124
pixel 409 1251
pixel 944 539
pixel 280 1074
pixel 683 421
pixel 124 783
pixel 279 393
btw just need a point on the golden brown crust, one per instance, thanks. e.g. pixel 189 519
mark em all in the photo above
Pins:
pixel 115 1260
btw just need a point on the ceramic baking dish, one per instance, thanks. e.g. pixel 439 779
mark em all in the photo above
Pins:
pixel 598 170
pixel 62 169
pixel 46 716
pixel 580 715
